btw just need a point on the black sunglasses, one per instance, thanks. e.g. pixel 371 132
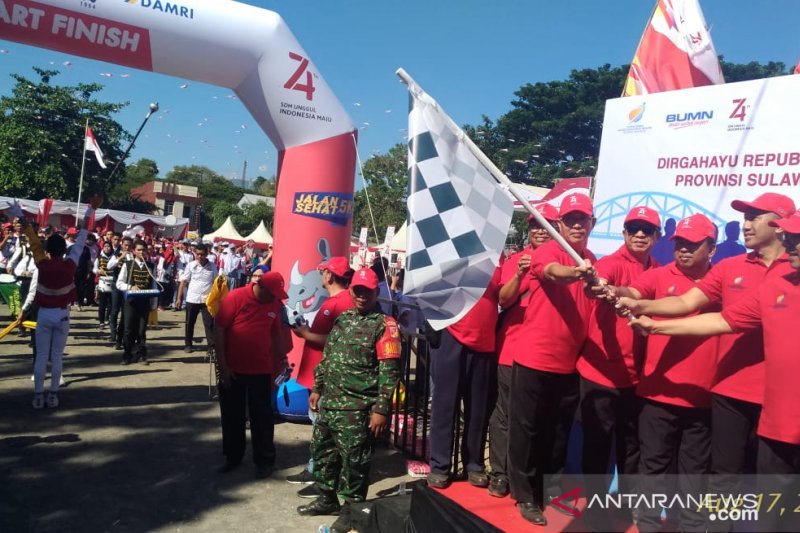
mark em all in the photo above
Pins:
pixel 633 229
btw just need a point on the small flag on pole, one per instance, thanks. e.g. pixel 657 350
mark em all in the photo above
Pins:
pixel 458 216
pixel 91 144
pixel 676 51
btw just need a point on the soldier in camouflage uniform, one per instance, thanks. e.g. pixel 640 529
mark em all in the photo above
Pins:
pixel 356 378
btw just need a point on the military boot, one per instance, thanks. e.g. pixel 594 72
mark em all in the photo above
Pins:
pixel 326 504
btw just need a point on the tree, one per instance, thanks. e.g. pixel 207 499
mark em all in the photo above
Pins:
pixel 386 178
pixel 753 70
pixel 219 195
pixel 42 126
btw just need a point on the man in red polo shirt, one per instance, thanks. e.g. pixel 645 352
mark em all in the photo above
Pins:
pixel 611 358
pixel 250 344
pixel 336 276
pixel 773 306
pixel 738 391
pixel 675 418
pixel 512 337
pixel 462 365
pixel 544 393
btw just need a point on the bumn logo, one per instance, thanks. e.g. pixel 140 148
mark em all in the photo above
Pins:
pixel 740 110
pixel 294 81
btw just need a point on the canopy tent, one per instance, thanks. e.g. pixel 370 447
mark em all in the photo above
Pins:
pixel 260 236
pixel 226 232
pixel 63 214
pixel 532 195
pixel 398 243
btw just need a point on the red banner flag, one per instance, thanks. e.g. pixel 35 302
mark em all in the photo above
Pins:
pixel 675 52
pixel 91 145
pixel 45 205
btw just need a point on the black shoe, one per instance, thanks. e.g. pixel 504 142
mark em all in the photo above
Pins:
pixel 438 481
pixel 144 361
pixel 118 347
pixel 498 486
pixel 125 362
pixel 305 477
pixel 557 508
pixel 263 471
pixel 532 513
pixel 312 491
pixel 327 504
pixel 478 479
pixel 229 466
pixel 187 349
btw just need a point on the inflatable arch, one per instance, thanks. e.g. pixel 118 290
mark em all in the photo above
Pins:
pixel 251 51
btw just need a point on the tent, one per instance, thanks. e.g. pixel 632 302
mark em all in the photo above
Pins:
pixel 398 242
pixel 260 236
pixel 227 232
pixel 63 214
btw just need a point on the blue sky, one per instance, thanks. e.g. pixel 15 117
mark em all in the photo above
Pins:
pixel 471 55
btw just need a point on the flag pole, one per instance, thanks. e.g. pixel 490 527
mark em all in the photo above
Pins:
pixel 83 165
pixel 498 175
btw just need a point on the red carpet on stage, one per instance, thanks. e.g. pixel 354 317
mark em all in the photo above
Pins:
pixel 503 514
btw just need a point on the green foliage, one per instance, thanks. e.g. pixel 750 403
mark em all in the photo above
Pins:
pixel 41 138
pixel 386 177
pixel 734 72
pixel 218 194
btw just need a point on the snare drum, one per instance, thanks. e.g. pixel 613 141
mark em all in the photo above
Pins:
pixel 7 278
pixel 105 283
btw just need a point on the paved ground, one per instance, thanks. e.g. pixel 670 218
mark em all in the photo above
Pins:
pixel 134 448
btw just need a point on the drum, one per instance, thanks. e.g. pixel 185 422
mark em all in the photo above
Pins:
pixel 7 278
pixel 105 283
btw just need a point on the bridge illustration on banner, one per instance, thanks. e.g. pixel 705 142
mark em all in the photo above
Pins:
pixel 611 213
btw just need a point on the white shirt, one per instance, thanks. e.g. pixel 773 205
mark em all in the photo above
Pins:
pixel 122 280
pixel 199 280
pixel 230 263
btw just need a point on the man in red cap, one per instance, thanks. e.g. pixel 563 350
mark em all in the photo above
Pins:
pixel 772 307
pixel 251 345
pixel 675 418
pixel 608 364
pixel 352 393
pixel 512 336
pixel 336 276
pixel 544 384
pixel 737 392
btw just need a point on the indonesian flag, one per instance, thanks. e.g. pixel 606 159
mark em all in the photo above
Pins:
pixel 45 205
pixel 91 144
pixel 675 52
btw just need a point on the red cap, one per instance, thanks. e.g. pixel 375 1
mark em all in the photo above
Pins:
pixel 546 210
pixel 6 224
pixel 695 228
pixel 770 202
pixel 644 214
pixel 576 202
pixel 337 265
pixel 365 277
pixel 789 224
pixel 273 282
pixel 72 231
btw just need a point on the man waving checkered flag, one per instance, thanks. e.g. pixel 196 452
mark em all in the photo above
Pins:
pixel 458 216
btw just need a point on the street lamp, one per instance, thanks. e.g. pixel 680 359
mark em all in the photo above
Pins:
pixel 151 109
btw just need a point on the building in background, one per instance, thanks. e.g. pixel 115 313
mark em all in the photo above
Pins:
pixel 181 201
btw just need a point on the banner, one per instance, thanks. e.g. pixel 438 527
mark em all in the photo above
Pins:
pixel 251 51
pixel 694 151
pixel 387 242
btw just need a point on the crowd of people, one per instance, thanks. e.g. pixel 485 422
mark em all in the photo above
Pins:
pixel 547 341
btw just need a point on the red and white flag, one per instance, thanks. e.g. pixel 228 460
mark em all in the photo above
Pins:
pixel 91 144
pixel 675 52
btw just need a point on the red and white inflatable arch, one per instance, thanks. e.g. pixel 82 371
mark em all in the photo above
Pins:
pixel 252 52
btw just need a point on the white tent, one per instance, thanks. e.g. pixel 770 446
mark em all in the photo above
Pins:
pixel 260 236
pixel 227 232
pixel 398 243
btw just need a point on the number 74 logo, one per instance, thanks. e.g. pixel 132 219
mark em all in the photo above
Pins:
pixel 294 81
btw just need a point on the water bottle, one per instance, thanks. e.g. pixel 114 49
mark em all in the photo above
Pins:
pixel 284 376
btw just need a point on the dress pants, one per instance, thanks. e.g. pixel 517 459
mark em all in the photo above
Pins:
pixel 673 440
pixel 542 408
pixel 192 310
pixel 115 324
pixel 135 315
pixel 732 423
pixel 459 374
pixel 104 306
pixel 778 474
pixel 498 424
pixel 52 328
pixel 248 393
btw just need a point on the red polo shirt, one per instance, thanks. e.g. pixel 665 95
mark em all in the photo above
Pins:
pixel 476 330
pixel 612 347
pixel 331 308
pixel 677 370
pixel 557 316
pixel 775 306
pixel 511 334
pixel 740 361
pixel 250 326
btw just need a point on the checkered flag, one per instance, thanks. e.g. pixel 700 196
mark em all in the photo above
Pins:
pixel 458 216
